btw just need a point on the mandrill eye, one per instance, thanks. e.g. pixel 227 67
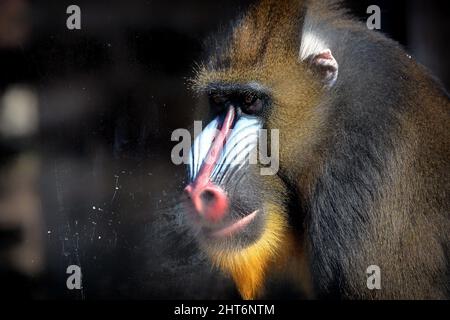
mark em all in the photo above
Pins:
pixel 218 99
pixel 249 99
pixel 252 104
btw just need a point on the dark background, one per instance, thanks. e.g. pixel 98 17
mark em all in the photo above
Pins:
pixel 88 180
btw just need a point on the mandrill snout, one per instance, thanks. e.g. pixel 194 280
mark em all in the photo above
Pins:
pixel 209 201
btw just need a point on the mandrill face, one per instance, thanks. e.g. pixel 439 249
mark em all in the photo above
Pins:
pixel 235 210
pixel 228 195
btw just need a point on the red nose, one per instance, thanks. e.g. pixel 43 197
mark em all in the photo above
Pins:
pixel 209 200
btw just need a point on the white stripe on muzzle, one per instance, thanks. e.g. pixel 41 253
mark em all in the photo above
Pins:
pixel 240 145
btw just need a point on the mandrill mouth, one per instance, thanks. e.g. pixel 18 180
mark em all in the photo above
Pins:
pixel 235 227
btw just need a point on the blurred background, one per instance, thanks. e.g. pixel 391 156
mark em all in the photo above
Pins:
pixel 86 118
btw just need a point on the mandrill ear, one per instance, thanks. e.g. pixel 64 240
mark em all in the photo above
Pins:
pixel 326 66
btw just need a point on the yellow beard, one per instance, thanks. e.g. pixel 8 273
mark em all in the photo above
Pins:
pixel 248 266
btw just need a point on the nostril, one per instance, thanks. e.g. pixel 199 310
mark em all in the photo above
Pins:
pixel 208 197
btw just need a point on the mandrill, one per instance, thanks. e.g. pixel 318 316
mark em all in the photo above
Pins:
pixel 362 145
